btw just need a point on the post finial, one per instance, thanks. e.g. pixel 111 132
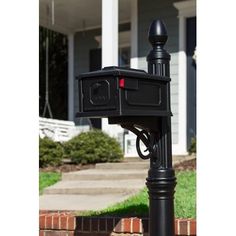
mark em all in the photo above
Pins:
pixel 157 34
pixel 158 58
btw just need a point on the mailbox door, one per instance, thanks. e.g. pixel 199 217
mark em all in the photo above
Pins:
pixel 99 94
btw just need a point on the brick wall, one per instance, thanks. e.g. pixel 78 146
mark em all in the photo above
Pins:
pixel 67 224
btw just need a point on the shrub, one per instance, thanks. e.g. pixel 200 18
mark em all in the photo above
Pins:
pixel 50 152
pixel 193 148
pixel 93 147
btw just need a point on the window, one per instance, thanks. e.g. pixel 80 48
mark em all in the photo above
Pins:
pixel 124 57
pixel 124 51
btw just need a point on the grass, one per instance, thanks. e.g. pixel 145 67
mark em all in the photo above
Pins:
pixel 185 196
pixel 47 178
pixel 185 200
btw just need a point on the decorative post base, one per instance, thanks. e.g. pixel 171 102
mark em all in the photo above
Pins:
pixel 161 184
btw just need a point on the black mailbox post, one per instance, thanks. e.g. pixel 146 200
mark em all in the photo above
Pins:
pixel 140 102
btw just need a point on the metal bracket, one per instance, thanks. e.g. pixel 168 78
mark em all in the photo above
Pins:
pixel 149 139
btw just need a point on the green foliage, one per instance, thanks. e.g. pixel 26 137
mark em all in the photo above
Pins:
pixel 185 196
pixel 47 178
pixel 50 153
pixel 93 147
pixel 193 146
pixel 137 205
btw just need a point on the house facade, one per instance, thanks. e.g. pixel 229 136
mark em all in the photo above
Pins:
pixel 114 32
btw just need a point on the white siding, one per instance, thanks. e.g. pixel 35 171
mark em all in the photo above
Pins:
pixel 142 63
pixel 148 10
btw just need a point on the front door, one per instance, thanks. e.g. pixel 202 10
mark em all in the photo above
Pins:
pixel 191 78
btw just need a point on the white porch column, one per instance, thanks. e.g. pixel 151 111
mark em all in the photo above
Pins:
pixel 71 78
pixel 182 139
pixel 134 34
pixel 110 51
pixel 109 33
pixel 186 9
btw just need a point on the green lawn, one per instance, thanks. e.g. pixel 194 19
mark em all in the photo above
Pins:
pixel 185 196
pixel 185 200
pixel 47 178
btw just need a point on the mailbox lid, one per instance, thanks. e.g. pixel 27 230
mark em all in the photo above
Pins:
pixel 119 72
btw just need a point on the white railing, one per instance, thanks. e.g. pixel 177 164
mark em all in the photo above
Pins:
pixel 59 130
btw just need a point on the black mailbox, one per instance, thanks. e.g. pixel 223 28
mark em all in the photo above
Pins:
pixel 119 92
pixel 140 102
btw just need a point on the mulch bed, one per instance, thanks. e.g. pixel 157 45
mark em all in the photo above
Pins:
pixel 186 165
pixel 67 167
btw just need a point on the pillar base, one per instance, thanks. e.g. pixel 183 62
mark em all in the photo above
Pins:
pixel 161 184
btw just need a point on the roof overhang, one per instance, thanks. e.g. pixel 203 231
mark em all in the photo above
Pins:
pixel 69 16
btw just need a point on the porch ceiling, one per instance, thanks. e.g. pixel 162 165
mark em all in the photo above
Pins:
pixel 77 15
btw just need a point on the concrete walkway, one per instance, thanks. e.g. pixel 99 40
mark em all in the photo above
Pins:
pixel 95 189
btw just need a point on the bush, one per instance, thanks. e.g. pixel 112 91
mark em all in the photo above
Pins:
pixel 93 147
pixel 193 148
pixel 50 152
